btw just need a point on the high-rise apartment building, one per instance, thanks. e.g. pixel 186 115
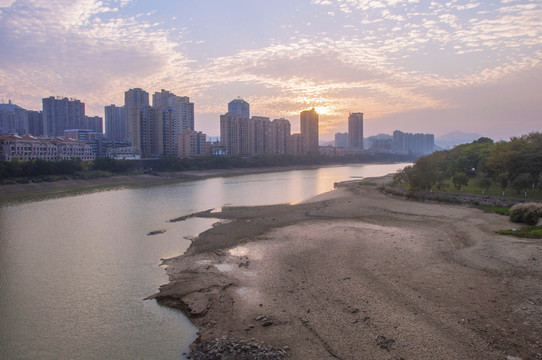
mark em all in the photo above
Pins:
pixel 259 135
pixel 280 134
pixel 309 131
pixel 148 137
pixel 166 130
pixel 234 134
pixel 16 120
pixel 183 109
pixel 115 123
pixel 296 144
pixel 174 115
pixel 35 122
pixel 61 114
pixel 94 123
pixel 355 131
pixel 134 101
pixel 239 106
pixel 419 144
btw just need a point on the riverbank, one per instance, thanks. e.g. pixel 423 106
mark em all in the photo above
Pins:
pixel 358 274
pixel 44 190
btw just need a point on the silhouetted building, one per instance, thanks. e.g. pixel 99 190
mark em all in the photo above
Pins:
pixel 381 146
pixel 309 131
pixel 239 106
pixel 61 114
pixel 341 140
pixel 355 130
pixel 418 144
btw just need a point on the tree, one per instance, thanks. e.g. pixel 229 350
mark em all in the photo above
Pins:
pixel 459 180
pixel 504 181
pixel 441 186
pixel 485 183
pixel 423 174
pixel 522 182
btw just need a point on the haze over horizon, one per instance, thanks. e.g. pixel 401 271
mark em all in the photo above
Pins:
pixel 410 65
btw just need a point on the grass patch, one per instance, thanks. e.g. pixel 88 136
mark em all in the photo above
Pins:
pixel 494 191
pixel 501 210
pixel 530 232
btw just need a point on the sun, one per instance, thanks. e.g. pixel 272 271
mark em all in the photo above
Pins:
pixel 323 110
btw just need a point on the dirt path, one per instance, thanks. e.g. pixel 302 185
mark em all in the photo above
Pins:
pixel 361 275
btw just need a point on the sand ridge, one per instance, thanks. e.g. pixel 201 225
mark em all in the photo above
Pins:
pixel 357 274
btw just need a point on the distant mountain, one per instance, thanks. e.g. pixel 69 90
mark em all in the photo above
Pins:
pixel 454 138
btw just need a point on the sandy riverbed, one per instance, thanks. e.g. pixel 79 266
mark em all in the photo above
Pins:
pixel 356 274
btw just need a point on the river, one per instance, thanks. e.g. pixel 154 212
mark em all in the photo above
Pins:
pixel 74 270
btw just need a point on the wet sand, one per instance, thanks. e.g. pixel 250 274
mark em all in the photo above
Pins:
pixel 356 274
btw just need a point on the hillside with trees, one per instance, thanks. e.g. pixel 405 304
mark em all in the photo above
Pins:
pixel 483 166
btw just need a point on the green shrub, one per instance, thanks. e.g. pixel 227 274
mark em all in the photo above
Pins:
pixel 528 213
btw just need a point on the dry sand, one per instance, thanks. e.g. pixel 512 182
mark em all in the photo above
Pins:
pixel 356 274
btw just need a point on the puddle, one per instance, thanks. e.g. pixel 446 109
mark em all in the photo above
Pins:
pixel 224 267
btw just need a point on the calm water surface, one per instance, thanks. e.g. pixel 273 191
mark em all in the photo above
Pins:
pixel 74 271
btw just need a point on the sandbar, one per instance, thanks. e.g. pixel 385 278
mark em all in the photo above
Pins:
pixel 358 274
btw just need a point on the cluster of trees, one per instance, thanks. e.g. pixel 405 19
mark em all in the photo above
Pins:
pixel 231 162
pixel 516 163
pixel 48 170
pixel 37 168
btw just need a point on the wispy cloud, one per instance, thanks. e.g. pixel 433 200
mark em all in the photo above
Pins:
pixel 385 57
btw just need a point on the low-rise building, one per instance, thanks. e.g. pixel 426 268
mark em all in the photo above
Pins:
pixel 25 147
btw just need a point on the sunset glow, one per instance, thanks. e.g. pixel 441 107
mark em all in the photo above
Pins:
pixel 408 65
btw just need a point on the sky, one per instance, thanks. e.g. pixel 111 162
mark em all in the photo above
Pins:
pixel 409 65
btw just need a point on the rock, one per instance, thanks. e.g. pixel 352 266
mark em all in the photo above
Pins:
pixel 384 342
pixel 227 348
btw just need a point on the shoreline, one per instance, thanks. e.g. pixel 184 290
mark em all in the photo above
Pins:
pixel 355 273
pixel 10 193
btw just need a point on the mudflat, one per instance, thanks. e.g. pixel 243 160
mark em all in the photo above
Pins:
pixel 357 274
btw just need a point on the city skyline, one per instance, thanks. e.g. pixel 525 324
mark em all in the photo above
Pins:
pixel 409 65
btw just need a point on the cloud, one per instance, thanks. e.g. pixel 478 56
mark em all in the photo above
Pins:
pixel 81 48
pixel 385 57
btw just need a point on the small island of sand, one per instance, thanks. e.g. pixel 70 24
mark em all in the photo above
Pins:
pixel 357 274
